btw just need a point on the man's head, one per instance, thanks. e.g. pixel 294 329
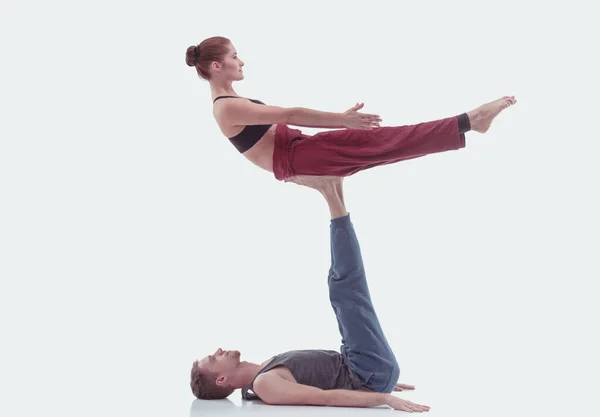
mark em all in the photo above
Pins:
pixel 213 377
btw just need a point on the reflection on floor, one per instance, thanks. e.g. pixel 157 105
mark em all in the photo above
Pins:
pixel 234 405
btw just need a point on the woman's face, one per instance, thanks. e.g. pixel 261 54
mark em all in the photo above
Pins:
pixel 231 67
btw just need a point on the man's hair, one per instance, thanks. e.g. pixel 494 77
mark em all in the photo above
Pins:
pixel 204 387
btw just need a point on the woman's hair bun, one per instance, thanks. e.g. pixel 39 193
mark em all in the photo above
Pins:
pixel 192 55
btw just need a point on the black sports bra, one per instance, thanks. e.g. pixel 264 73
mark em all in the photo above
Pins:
pixel 251 134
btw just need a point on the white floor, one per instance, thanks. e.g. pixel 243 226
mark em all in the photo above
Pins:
pixel 549 398
pixel 233 406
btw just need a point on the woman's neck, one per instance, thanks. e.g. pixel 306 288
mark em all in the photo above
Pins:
pixel 222 90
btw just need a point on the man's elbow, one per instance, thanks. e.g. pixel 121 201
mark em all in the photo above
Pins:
pixel 315 399
pixel 327 398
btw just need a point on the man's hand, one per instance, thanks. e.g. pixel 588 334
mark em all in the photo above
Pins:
pixel 405 405
pixel 402 387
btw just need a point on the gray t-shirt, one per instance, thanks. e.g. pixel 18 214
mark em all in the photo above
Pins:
pixel 325 369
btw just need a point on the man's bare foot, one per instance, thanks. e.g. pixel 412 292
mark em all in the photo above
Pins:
pixel 481 118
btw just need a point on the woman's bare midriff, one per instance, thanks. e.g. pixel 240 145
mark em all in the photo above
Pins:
pixel 261 154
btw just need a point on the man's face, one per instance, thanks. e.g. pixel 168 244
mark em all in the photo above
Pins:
pixel 222 362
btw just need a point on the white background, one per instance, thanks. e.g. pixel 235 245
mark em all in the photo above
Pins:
pixel 135 239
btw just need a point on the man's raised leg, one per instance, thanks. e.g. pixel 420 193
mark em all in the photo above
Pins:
pixel 364 344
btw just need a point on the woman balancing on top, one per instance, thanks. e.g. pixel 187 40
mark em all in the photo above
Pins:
pixel 260 132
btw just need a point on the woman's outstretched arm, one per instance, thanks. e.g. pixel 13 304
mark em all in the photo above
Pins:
pixel 244 112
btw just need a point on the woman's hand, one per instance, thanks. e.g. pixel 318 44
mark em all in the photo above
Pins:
pixel 352 119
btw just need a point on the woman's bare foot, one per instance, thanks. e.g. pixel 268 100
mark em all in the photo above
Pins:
pixel 481 118
pixel 329 186
pixel 321 183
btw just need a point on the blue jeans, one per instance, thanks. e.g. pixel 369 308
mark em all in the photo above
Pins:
pixel 364 345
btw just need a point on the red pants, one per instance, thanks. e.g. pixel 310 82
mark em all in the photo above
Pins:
pixel 345 152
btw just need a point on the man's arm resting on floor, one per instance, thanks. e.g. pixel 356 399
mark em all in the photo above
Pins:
pixel 275 390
